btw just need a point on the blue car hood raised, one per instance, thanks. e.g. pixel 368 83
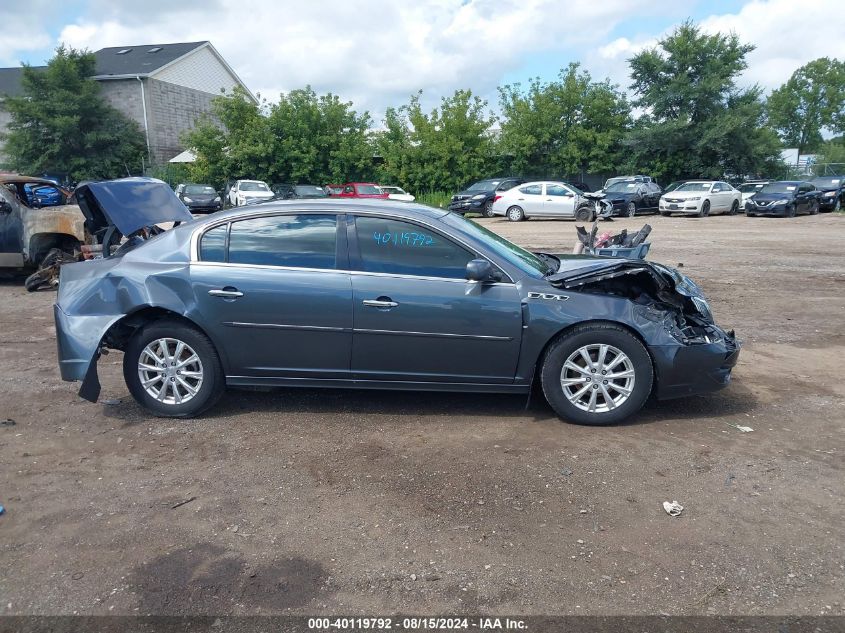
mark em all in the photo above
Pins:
pixel 129 204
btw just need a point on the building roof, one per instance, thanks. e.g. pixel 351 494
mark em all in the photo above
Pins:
pixel 10 81
pixel 141 60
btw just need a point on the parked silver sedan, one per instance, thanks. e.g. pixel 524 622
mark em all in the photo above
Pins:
pixel 542 199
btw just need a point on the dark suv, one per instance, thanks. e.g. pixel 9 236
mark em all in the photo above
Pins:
pixel 832 188
pixel 478 197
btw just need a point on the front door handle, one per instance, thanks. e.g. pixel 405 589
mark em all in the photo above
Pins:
pixel 227 292
pixel 380 303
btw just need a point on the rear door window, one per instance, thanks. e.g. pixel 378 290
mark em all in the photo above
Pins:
pixel 298 241
pixel 532 190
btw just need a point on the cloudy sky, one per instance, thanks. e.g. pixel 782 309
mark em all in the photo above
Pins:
pixel 377 52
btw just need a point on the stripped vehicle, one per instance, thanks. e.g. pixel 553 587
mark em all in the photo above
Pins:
pixel 39 237
pixel 374 295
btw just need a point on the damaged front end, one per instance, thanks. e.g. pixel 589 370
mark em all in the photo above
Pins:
pixel 691 353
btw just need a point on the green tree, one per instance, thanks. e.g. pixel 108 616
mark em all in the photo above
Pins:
pixel 61 123
pixel 443 149
pixel 304 138
pixel 697 122
pixel 565 126
pixel 810 102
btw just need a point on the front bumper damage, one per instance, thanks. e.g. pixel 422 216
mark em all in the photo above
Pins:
pixel 691 354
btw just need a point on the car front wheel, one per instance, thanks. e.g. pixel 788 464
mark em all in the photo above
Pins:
pixel 631 209
pixel 173 370
pixel 597 374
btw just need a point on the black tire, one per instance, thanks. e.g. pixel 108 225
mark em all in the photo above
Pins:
pixel 34 281
pixel 814 207
pixel 487 211
pixel 705 209
pixel 213 383
pixel 515 214
pixel 585 214
pixel 631 209
pixel 734 208
pixel 790 211
pixel 596 334
pixel 838 206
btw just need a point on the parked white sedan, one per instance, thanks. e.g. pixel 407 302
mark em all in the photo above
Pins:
pixel 551 199
pixel 701 198
pixel 397 193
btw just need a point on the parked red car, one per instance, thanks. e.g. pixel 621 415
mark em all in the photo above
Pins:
pixel 360 190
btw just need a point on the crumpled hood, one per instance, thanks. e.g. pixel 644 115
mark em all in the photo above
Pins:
pixel 129 204
pixel 577 272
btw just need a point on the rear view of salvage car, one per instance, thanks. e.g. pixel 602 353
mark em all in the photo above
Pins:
pixel 36 236
pixel 377 295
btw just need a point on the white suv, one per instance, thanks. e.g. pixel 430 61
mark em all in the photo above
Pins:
pixel 247 191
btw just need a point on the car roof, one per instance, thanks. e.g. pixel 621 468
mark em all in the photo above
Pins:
pixel 335 205
pixel 14 180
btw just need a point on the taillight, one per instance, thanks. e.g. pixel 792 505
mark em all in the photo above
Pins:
pixel 496 198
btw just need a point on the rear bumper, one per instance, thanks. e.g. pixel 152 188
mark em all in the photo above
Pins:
pixel 686 370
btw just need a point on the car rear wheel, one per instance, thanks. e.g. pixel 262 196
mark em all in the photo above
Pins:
pixel 173 370
pixel 705 209
pixel 585 214
pixel 516 214
pixel 597 374
pixel 631 209
pixel 487 211
pixel 734 208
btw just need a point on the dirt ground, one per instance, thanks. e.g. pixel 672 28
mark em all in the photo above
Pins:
pixel 344 502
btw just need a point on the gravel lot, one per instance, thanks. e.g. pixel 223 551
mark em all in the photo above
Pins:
pixel 305 501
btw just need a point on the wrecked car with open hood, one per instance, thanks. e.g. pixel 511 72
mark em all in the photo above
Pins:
pixel 377 295
pixel 39 228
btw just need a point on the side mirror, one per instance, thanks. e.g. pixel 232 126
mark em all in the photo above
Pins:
pixel 479 270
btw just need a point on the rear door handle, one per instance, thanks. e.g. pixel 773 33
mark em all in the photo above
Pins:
pixel 227 292
pixel 380 303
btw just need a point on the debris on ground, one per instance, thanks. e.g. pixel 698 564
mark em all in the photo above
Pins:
pixel 111 401
pixel 181 503
pixel 566 472
pixel 673 508
pixel 739 427
pixel 2 509
pixel 8 422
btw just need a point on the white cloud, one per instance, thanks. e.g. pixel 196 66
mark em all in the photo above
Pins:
pixel 787 34
pixel 22 32
pixel 375 54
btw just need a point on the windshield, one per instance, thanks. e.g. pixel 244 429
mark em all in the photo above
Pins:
pixel 254 186
pixel 750 187
pixel 484 185
pixel 312 191
pixel 517 256
pixel 626 187
pixel 779 187
pixel 827 182
pixel 695 186
pixel 369 190
pixel 198 189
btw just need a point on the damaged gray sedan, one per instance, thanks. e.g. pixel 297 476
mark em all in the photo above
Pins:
pixel 373 295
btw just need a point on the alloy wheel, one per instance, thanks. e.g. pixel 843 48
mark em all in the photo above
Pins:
pixel 597 378
pixel 170 371
pixel 632 209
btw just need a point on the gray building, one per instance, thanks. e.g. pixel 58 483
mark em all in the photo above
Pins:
pixel 163 87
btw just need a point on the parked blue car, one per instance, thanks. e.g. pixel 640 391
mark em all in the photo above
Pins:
pixel 43 196
pixel 373 295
